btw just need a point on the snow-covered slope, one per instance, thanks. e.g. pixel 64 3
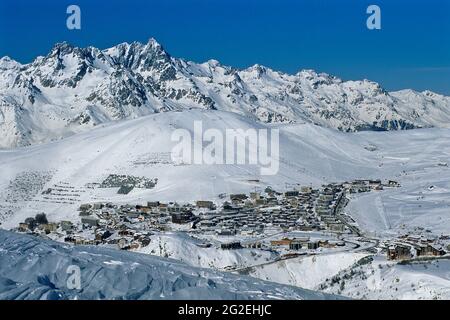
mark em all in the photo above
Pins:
pixel 143 147
pixel 33 268
pixel 306 272
pixel 74 89
pixel 181 247
pixel 377 278
pixel 309 154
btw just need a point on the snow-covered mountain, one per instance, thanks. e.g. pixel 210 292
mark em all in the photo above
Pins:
pixel 143 147
pixel 309 155
pixel 32 268
pixel 73 89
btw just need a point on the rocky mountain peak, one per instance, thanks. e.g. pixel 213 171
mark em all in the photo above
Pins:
pixel 6 63
pixel 134 79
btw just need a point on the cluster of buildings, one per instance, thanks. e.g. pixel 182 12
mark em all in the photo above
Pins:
pixel 270 211
pixel 244 218
pixel 294 244
pixel 38 224
pixel 126 183
pixel 305 209
pixel 408 246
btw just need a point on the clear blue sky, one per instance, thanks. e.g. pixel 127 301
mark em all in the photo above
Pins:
pixel 411 51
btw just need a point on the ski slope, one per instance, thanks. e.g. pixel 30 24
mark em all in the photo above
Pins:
pixel 309 155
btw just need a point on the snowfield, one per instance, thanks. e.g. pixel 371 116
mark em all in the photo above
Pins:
pixel 379 279
pixel 309 154
pixel 33 268
pixel 419 160
pixel 142 147
pixel 306 272
pixel 186 249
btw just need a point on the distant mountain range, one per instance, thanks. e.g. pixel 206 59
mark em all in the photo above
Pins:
pixel 74 89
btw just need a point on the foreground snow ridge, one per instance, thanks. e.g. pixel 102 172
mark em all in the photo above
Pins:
pixel 33 268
